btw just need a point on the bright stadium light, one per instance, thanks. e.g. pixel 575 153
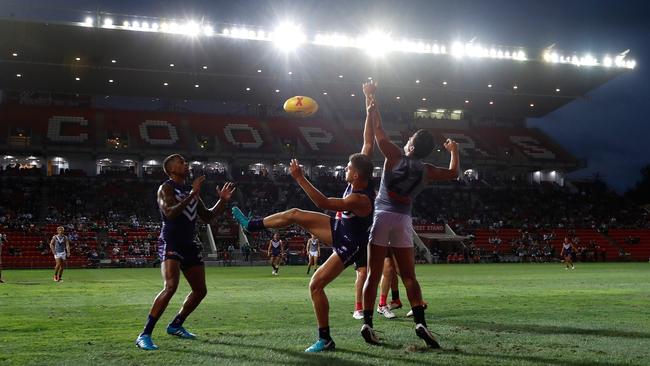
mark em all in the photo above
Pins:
pixel 88 22
pixel 376 43
pixel 126 24
pixel 154 26
pixel 145 26
pixel 607 61
pixel 135 24
pixel 288 36
pixel 108 22
pixel 208 30
pixel 457 50
pixel 191 28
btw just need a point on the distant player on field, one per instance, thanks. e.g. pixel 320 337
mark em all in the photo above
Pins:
pixel 275 252
pixel 60 247
pixel 313 252
pixel 180 205
pixel 567 253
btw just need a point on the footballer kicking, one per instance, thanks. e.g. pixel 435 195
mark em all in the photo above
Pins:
pixel 180 205
pixel 347 232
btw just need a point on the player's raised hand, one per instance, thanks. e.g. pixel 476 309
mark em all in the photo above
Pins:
pixel 451 145
pixel 196 185
pixel 369 89
pixel 295 169
pixel 226 192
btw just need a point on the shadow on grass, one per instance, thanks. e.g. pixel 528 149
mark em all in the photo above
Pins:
pixel 301 358
pixel 535 359
pixel 553 330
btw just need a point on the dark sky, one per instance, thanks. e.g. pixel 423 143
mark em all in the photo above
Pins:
pixel 609 127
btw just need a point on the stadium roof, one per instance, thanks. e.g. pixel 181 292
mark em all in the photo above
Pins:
pixel 96 60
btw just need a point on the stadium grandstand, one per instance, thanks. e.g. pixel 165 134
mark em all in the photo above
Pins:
pixel 92 103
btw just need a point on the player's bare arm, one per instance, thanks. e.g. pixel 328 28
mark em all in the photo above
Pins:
pixel 357 203
pixel 170 207
pixel 435 173
pixel 368 133
pixel 225 194
pixel 391 152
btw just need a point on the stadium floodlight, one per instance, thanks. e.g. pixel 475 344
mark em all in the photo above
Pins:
pixel 110 81
pixel 145 26
pixel 376 43
pixel 15 54
pixel 154 26
pixel 191 28
pixel 196 85
pixel 607 61
pixel 457 50
pixel 205 67
pixel 277 90
pixel 398 97
pixel 135 24
pixel 435 48
pixel 225 32
pixel 88 22
pixel 77 79
pixel 173 27
pixel 620 61
pixel 126 24
pixel 164 27
pixel 19 75
pixel 113 61
pixel 108 22
pixel 288 36
pixel 588 60
pixel 630 64
pixel 208 30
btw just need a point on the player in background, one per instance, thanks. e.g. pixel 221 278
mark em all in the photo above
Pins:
pixel 313 252
pixel 60 247
pixel 567 253
pixel 275 252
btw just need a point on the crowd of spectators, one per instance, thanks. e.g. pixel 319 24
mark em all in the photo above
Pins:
pixel 105 204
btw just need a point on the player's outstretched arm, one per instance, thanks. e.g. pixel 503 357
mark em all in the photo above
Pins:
pixel 52 245
pixel 371 112
pixel 435 173
pixel 357 203
pixel 225 194
pixel 167 199
pixel 390 151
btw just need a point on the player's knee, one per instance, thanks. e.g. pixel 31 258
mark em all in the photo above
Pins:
pixel 292 213
pixel 201 292
pixel 316 286
pixel 170 288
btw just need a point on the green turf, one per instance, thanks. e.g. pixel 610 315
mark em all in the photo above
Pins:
pixel 532 314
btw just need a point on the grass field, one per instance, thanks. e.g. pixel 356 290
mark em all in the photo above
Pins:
pixel 532 314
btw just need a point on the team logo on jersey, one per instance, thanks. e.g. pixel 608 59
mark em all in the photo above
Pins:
pixel 190 209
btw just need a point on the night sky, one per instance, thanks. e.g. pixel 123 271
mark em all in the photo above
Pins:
pixel 609 127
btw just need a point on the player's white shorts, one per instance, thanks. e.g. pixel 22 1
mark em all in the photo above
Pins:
pixel 313 254
pixel 61 256
pixel 390 229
